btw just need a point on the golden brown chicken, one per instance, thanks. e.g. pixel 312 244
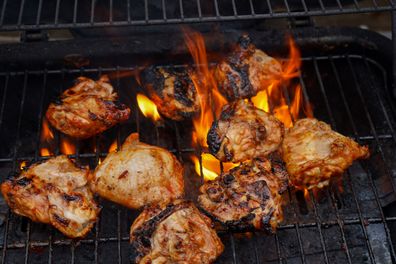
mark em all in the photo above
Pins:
pixel 172 91
pixel 314 153
pixel 54 192
pixel 247 196
pixel 177 233
pixel 138 175
pixel 87 109
pixel 246 71
pixel 244 132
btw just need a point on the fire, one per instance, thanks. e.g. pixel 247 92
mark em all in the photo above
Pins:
pixel 45 152
pixel 210 99
pixel 22 165
pixel 211 167
pixel 113 147
pixel 67 147
pixel 275 94
pixel 46 139
pixel 147 107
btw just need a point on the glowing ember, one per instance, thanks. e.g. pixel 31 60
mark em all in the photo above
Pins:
pixel 113 147
pixel 148 108
pixel 211 167
pixel 67 147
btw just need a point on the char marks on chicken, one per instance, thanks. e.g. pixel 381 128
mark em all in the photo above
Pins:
pixel 54 192
pixel 246 71
pixel 176 233
pixel 244 132
pixel 139 174
pixel 86 109
pixel 314 153
pixel 172 91
pixel 248 196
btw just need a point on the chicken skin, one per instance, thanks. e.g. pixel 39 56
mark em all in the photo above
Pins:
pixel 248 196
pixel 87 109
pixel 138 175
pixel 246 71
pixel 54 192
pixel 172 91
pixel 314 153
pixel 177 233
pixel 244 132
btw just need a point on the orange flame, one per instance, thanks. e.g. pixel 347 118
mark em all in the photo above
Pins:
pixel 113 147
pixel 67 147
pixel 22 165
pixel 46 139
pixel 210 99
pixel 211 167
pixel 147 107
pixel 275 95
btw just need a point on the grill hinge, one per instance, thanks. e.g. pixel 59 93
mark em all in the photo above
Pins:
pixel 34 36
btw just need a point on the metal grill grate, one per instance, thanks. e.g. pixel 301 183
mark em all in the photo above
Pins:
pixel 337 227
pixel 47 14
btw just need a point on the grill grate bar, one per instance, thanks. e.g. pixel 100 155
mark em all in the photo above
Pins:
pixel 372 128
pixel 93 2
pixel 3 12
pixel 57 7
pixel 75 12
pixel 40 6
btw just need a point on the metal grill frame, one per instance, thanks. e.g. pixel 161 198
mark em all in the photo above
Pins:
pixel 272 11
pixel 318 223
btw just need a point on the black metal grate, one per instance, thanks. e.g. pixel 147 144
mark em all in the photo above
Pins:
pixel 349 92
pixel 48 14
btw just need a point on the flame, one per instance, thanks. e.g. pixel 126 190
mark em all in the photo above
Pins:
pixel 67 147
pixel 306 195
pixel 210 99
pixel 275 94
pixel 22 165
pixel 147 107
pixel 113 147
pixel 211 167
pixel 45 152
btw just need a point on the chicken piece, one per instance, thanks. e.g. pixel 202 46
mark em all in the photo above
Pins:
pixel 248 196
pixel 244 132
pixel 87 109
pixel 138 175
pixel 314 153
pixel 172 91
pixel 54 192
pixel 177 233
pixel 246 71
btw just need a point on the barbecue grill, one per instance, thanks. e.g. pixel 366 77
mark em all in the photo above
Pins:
pixel 347 74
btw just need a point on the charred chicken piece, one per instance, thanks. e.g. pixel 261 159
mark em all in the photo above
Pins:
pixel 54 192
pixel 172 91
pixel 138 175
pixel 244 132
pixel 177 233
pixel 248 196
pixel 314 153
pixel 246 71
pixel 87 109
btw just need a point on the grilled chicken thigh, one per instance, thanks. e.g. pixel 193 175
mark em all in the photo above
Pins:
pixel 177 233
pixel 54 192
pixel 172 91
pixel 314 153
pixel 244 132
pixel 138 175
pixel 87 109
pixel 246 71
pixel 247 196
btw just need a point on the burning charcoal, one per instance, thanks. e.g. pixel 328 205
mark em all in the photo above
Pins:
pixel 247 196
pixel 246 71
pixel 87 109
pixel 314 153
pixel 177 233
pixel 244 132
pixel 172 91
pixel 54 192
